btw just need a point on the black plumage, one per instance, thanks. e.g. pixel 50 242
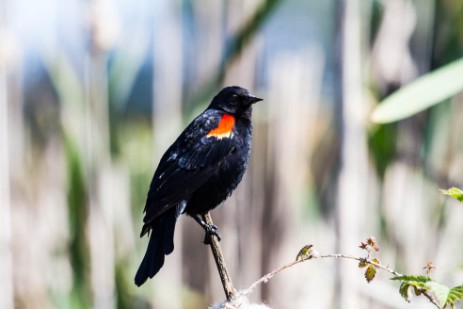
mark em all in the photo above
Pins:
pixel 197 173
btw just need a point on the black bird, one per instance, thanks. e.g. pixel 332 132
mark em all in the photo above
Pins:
pixel 197 173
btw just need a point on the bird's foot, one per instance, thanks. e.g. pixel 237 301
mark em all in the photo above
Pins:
pixel 211 230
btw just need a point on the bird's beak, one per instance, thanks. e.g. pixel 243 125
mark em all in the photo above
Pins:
pixel 252 99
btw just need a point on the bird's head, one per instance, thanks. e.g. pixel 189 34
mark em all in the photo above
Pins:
pixel 234 100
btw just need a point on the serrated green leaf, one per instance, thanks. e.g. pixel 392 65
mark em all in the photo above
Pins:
pixel 419 282
pixel 405 291
pixel 453 192
pixel 443 295
pixel 408 279
pixel 440 291
pixel 455 294
pixel 370 273
pixel 424 92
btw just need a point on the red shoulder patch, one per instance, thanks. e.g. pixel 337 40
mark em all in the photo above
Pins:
pixel 225 127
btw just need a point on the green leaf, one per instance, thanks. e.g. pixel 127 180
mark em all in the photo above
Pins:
pixel 419 283
pixel 453 192
pixel 424 92
pixel 413 280
pixel 443 295
pixel 306 253
pixel 455 294
pixel 440 291
pixel 370 273
pixel 404 290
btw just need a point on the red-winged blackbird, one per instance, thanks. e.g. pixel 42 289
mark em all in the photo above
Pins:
pixel 197 173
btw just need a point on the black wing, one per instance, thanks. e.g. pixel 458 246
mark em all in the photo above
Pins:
pixel 186 165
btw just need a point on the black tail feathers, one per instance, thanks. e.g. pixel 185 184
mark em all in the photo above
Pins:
pixel 160 244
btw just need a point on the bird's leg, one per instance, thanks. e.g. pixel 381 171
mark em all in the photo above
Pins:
pixel 210 229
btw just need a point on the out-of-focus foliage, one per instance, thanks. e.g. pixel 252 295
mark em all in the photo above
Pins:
pixel 382 143
pixel 78 216
pixel 424 92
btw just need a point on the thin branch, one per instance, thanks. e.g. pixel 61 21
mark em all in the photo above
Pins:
pixel 365 260
pixel 266 278
pixel 270 275
pixel 428 296
pixel 220 262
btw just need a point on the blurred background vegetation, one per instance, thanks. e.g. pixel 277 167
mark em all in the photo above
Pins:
pixel 93 92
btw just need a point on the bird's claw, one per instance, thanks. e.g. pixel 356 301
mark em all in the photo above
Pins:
pixel 211 230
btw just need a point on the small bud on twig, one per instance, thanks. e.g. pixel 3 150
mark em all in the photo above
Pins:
pixel 429 267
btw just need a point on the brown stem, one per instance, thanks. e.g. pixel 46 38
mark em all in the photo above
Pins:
pixel 220 262
pixel 269 276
